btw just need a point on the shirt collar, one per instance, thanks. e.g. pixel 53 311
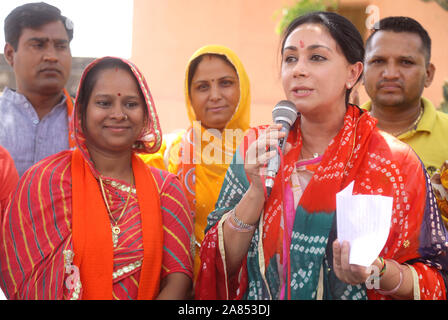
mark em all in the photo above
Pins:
pixel 367 106
pixel 428 119
pixel 426 123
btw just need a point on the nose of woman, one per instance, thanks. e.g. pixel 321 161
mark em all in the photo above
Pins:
pixel 300 69
pixel 118 114
pixel 215 92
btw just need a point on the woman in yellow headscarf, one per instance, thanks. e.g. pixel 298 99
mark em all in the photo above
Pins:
pixel 217 96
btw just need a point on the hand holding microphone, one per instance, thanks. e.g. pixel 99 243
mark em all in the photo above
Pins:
pixel 284 113
pixel 264 151
pixel 265 148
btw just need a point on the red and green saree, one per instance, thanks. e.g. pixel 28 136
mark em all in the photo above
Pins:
pixel 378 164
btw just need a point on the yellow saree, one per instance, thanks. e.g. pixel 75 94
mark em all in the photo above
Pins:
pixel 200 156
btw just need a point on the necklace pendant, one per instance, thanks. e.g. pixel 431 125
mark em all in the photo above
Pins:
pixel 115 232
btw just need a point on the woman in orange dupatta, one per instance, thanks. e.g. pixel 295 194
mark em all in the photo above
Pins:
pixel 97 222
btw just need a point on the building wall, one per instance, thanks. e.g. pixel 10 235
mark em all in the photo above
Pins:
pixel 166 33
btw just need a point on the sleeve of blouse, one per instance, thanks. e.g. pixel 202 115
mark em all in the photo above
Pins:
pixel 177 228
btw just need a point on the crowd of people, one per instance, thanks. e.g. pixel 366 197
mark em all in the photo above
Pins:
pixel 97 204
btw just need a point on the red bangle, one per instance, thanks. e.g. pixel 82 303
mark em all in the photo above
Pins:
pixel 394 290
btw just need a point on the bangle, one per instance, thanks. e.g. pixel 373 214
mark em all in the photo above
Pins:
pixel 394 290
pixel 383 266
pixel 238 225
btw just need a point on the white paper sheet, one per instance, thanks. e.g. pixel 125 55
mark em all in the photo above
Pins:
pixel 363 221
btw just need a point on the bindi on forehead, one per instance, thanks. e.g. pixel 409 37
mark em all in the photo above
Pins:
pixel 119 94
pixel 302 44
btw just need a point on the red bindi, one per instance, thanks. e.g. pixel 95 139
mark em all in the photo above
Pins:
pixel 302 44
pixel 119 94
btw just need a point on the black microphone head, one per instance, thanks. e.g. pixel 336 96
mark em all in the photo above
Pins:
pixel 285 111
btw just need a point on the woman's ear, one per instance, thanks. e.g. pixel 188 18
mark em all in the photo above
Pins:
pixel 353 74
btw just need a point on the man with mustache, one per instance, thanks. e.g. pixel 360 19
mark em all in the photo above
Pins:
pixel 397 68
pixel 34 117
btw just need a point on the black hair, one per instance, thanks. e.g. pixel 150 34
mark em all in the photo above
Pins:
pixel 341 30
pixel 196 61
pixel 33 16
pixel 403 24
pixel 89 82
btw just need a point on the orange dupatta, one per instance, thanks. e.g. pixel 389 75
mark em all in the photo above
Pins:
pixel 92 235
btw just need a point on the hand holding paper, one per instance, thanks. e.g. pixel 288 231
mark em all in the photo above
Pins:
pixel 363 221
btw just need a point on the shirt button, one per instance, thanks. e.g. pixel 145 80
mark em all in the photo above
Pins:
pixel 36 121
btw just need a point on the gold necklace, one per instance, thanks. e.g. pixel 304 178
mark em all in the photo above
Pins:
pixel 304 148
pixel 412 126
pixel 115 228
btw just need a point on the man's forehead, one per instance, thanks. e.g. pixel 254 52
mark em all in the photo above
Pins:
pixel 53 31
pixel 396 43
pixel 389 34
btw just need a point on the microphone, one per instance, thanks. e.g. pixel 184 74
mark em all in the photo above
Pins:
pixel 285 113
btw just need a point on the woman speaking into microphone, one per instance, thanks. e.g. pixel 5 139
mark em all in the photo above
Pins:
pixel 284 246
